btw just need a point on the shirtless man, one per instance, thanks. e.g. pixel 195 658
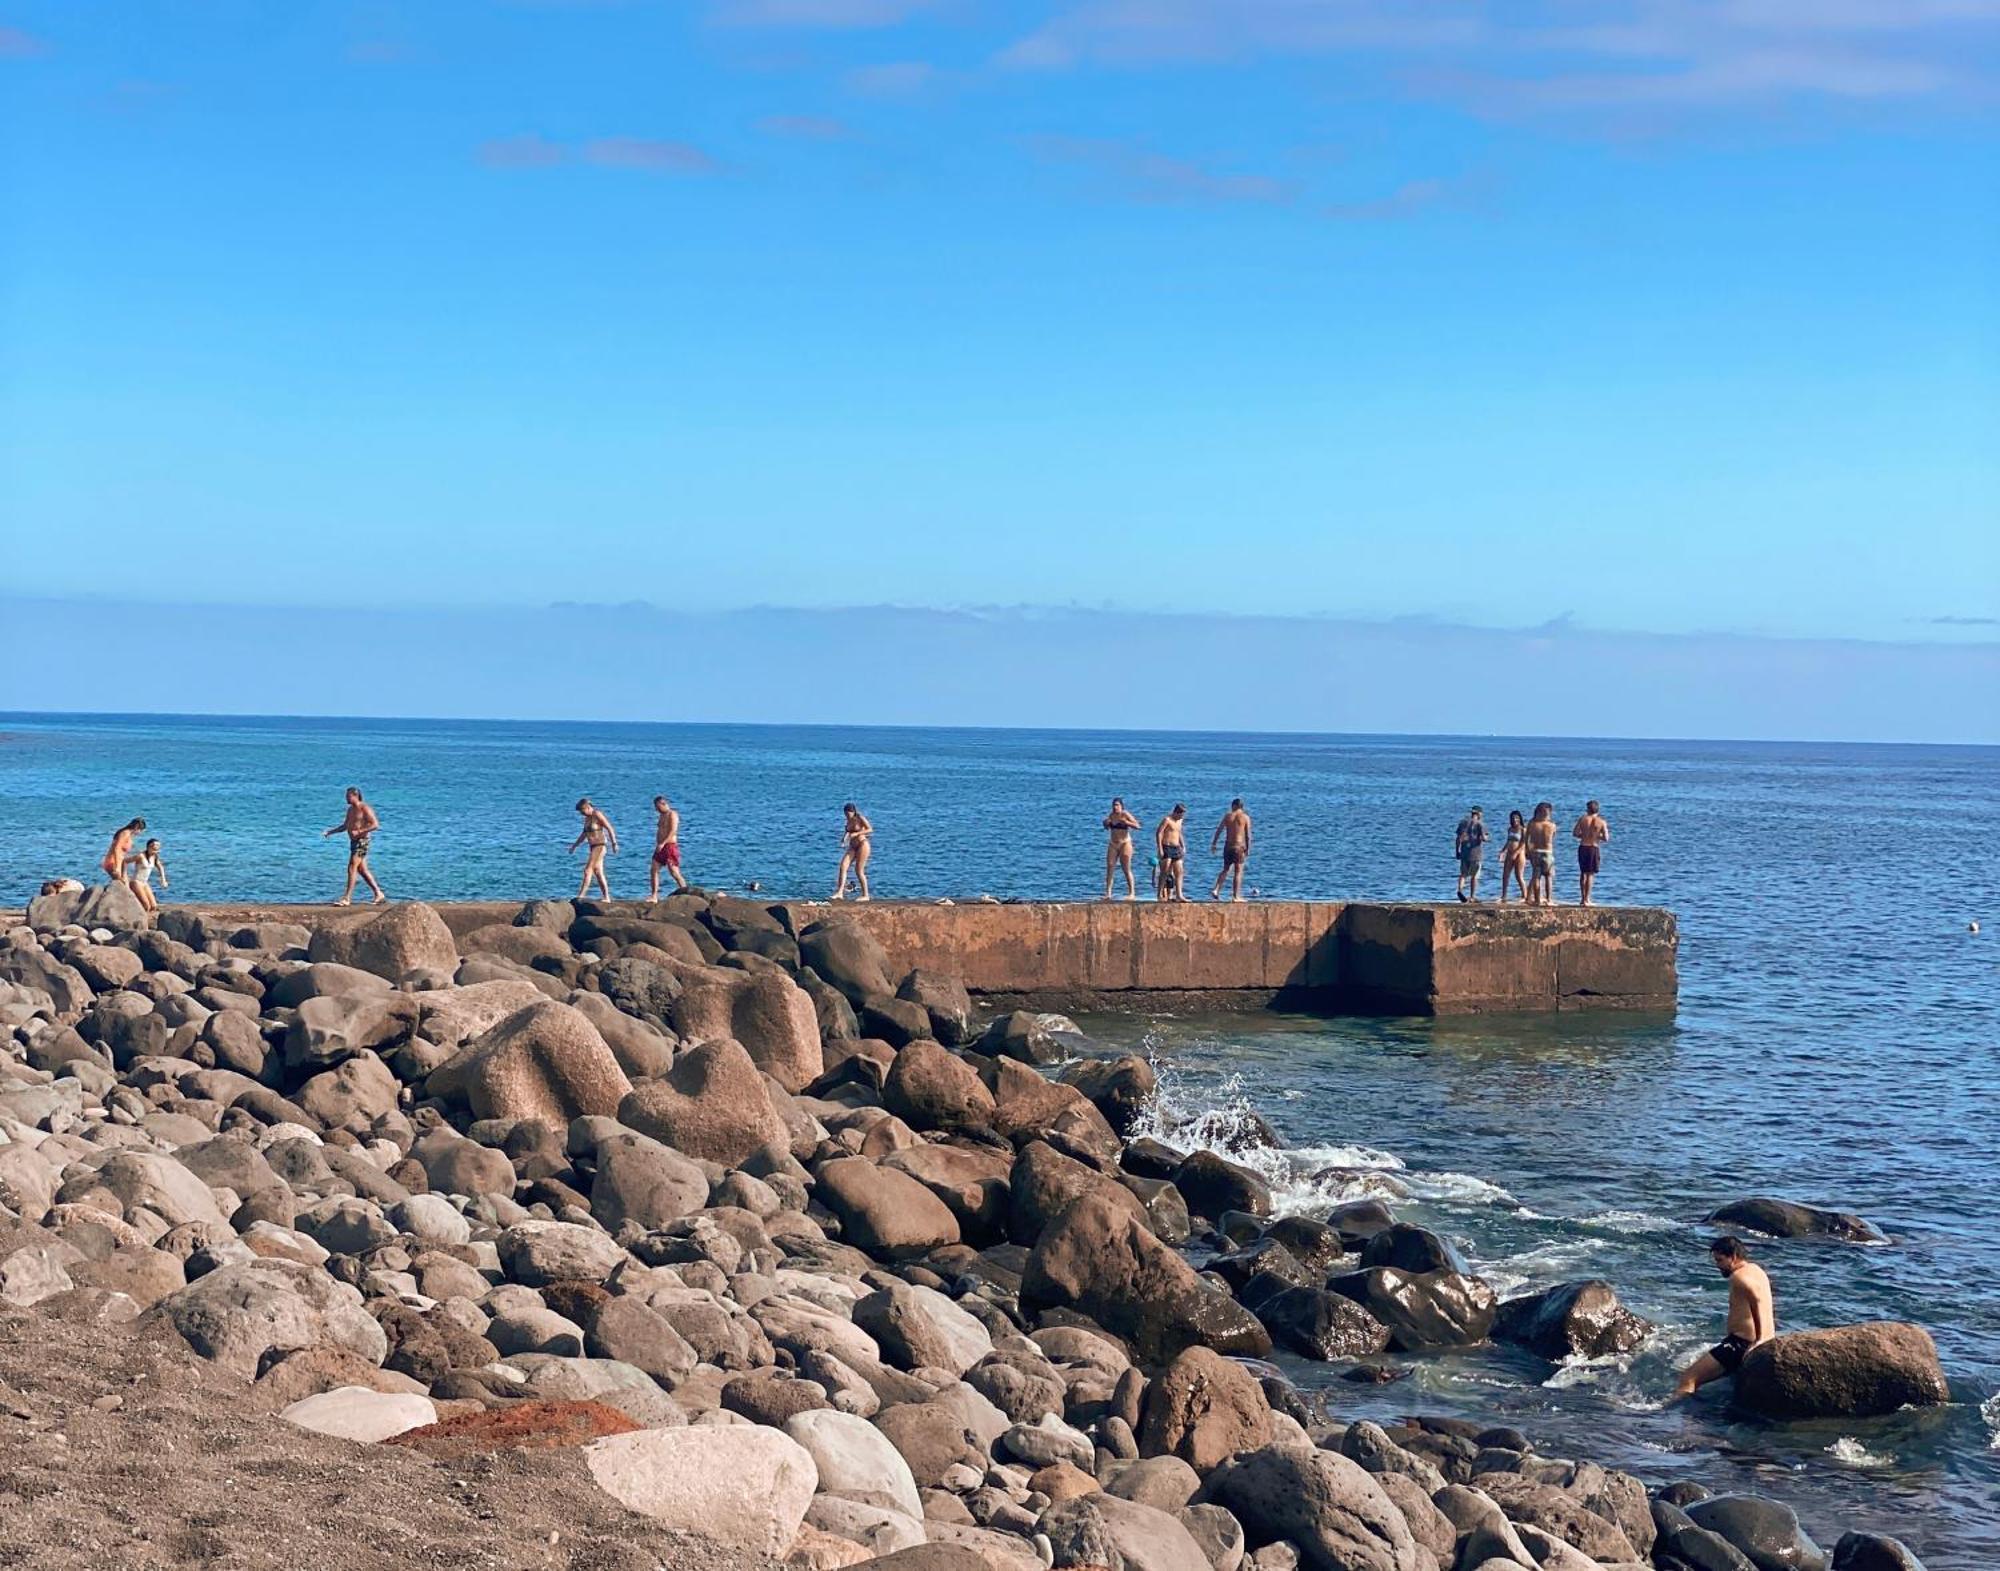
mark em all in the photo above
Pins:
pixel 596 833
pixel 1752 1319
pixel 1541 840
pixel 666 846
pixel 1170 843
pixel 1591 832
pixel 1233 834
pixel 359 824
pixel 121 851
pixel 1118 850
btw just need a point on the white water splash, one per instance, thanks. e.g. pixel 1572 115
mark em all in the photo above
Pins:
pixel 1849 1452
pixel 1989 1410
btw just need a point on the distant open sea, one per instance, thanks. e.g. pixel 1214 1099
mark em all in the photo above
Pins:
pixel 1837 1041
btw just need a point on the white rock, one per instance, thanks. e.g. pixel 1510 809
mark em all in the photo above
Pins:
pixel 747 1488
pixel 856 1460
pixel 876 1529
pixel 432 1218
pixel 356 1413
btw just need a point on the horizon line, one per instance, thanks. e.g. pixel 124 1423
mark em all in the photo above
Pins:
pixel 33 716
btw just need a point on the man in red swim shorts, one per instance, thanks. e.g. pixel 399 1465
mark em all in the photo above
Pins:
pixel 666 846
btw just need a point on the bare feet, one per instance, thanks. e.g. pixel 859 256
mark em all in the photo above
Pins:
pixel 343 901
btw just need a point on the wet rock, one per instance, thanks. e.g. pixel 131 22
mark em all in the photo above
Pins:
pixel 1581 1319
pixel 1317 1324
pixel 1023 1037
pixel 1544 1506
pixel 1766 1532
pixel 944 1000
pixel 1873 1552
pixel 1212 1185
pixel 1122 1089
pixel 1412 1249
pixel 1044 1183
pixel 1437 1309
pixel 1787 1219
pixel 1096 1258
pixel 1858 1371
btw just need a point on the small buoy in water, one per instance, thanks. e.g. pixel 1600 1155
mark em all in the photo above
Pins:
pixel 1972 927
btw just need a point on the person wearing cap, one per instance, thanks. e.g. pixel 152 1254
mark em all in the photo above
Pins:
pixel 1470 842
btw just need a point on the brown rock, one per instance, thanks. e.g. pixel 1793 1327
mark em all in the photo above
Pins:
pixel 1044 1183
pixel 710 1105
pixel 406 936
pixel 972 1181
pixel 931 1088
pixel 1062 1481
pixel 1098 1259
pixel 1557 1514
pixel 546 1061
pixel 1204 1410
pixel 767 1012
pixel 1858 1371
pixel 884 1211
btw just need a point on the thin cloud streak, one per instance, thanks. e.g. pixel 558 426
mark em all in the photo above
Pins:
pixel 18 45
pixel 1133 172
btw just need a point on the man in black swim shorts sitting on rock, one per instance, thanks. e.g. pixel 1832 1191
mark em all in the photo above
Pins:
pixel 1752 1319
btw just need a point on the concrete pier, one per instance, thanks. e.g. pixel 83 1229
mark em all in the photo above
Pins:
pixel 1332 957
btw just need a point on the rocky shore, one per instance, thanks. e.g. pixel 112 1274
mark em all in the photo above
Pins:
pixel 715 1222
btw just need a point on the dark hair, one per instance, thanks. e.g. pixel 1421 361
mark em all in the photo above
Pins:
pixel 1590 806
pixel 659 801
pixel 1479 809
pixel 1180 808
pixel 354 791
pixel 151 843
pixel 1727 1248
pixel 1515 817
pixel 1235 802
pixel 849 807
pixel 137 823
pixel 582 802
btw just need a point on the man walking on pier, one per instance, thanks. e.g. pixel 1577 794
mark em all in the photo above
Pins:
pixel 1752 1318
pixel 1591 833
pixel 1233 834
pixel 1170 843
pixel 666 846
pixel 359 825
pixel 1471 844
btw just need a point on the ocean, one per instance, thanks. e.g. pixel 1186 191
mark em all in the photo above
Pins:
pixel 1837 1041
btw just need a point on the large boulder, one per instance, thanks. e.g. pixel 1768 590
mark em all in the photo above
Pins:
pixel 769 1013
pixel 1788 1219
pixel 884 1211
pixel 1873 1552
pixel 1329 1507
pixel 1122 1089
pixel 1213 1184
pixel 712 1105
pixel 1765 1532
pixel 1529 1503
pixel 1435 1309
pixel 102 905
pixel 1574 1319
pixel 1045 1183
pixel 746 1487
pixel 453 1016
pixel 847 955
pixel 944 999
pixel 1204 1409
pixel 929 1087
pixel 400 938
pixel 1098 1259
pixel 145 1180
pixel 644 1182
pixel 971 1181
pixel 920 1328
pixel 856 1460
pixel 241 1316
pixel 1101 1529
pixel 545 1062
pixel 1859 1371
pixel 332 1027
pixel 1317 1324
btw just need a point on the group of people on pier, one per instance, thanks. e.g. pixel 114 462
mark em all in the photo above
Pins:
pixel 1527 859
pixel 1528 855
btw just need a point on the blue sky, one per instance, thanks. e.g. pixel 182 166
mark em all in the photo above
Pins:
pixel 1673 316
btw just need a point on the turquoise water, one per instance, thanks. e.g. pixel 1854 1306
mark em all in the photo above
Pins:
pixel 1837 1042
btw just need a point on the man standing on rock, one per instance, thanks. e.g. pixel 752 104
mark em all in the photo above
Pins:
pixel 1471 845
pixel 1119 823
pixel 1170 843
pixel 666 846
pixel 1233 834
pixel 1591 833
pixel 596 833
pixel 1752 1318
pixel 359 824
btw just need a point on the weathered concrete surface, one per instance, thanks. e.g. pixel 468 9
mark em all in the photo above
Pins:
pixel 1309 954
pixel 1394 959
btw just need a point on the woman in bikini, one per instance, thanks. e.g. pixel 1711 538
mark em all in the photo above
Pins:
pixel 139 870
pixel 1514 856
pixel 596 833
pixel 855 849
pixel 121 853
